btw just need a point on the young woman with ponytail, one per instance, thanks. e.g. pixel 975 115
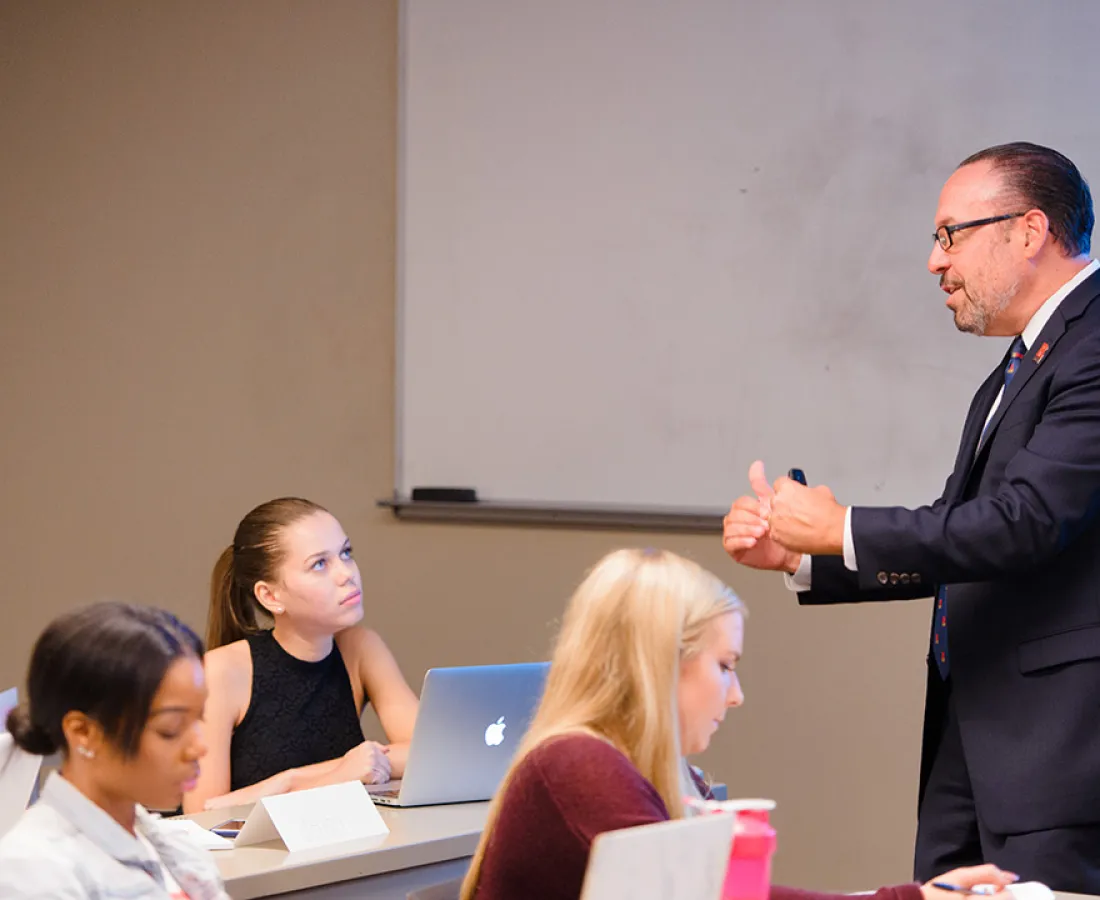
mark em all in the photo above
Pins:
pixel 289 667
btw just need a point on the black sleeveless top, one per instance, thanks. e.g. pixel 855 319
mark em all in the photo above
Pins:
pixel 299 713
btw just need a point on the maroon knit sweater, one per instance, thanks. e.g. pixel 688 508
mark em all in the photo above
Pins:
pixel 566 792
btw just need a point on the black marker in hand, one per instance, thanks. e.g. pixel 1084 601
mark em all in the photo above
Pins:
pixel 797 475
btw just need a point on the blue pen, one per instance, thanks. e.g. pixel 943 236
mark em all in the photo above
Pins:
pixel 797 475
pixel 984 889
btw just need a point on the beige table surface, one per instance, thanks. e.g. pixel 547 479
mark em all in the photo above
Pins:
pixel 425 845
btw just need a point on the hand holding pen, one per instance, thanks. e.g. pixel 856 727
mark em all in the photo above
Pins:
pixel 982 880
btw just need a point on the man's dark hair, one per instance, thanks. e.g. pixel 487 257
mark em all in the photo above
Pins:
pixel 1044 179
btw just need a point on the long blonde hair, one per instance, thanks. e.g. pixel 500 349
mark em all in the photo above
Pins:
pixel 615 669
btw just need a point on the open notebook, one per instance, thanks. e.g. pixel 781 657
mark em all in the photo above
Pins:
pixel 684 859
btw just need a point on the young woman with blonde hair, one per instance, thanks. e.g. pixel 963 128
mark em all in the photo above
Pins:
pixel 643 674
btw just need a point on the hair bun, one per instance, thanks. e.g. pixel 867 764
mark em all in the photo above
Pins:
pixel 29 736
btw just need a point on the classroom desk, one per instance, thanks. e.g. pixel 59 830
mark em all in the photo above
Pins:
pixel 425 845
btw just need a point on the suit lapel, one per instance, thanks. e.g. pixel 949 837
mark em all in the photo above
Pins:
pixel 972 430
pixel 1042 347
pixel 1029 365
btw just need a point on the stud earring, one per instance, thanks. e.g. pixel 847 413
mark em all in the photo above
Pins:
pixel 85 752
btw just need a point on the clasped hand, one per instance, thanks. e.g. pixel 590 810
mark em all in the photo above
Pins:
pixel 772 527
pixel 368 762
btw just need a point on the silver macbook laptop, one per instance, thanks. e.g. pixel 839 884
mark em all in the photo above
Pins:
pixel 684 859
pixel 470 723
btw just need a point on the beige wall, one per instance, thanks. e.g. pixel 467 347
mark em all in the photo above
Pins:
pixel 197 223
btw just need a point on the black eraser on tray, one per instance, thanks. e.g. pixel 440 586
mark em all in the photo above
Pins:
pixel 444 495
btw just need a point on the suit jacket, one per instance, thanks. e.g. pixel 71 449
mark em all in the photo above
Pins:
pixel 1016 537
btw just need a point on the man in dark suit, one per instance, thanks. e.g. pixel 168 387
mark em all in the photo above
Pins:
pixel 1010 765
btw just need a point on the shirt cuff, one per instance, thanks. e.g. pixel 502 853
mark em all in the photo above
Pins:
pixel 802 578
pixel 849 543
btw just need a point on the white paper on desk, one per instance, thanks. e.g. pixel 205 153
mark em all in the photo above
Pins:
pixel 313 818
pixel 1031 890
pixel 1022 890
pixel 203 837
pixel 18 777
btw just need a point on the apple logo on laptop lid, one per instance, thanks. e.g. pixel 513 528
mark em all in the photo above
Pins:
pixel 494 734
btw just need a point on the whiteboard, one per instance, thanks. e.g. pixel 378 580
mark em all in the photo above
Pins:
pixel 644 243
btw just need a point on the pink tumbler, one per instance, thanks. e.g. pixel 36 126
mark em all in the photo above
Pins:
pixel 749 874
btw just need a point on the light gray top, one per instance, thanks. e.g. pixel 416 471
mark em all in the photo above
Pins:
pixel 67 848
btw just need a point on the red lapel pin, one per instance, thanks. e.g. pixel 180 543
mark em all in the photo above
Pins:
pixel 1041 352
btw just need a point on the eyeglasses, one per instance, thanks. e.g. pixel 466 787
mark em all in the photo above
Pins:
pixel 943 235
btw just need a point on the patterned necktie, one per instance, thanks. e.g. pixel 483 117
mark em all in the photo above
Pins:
pixel 939 625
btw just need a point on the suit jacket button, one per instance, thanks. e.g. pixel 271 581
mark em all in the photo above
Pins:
pixel 916 578
pixel 893 578
pixel 904 578
pixel 883 578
